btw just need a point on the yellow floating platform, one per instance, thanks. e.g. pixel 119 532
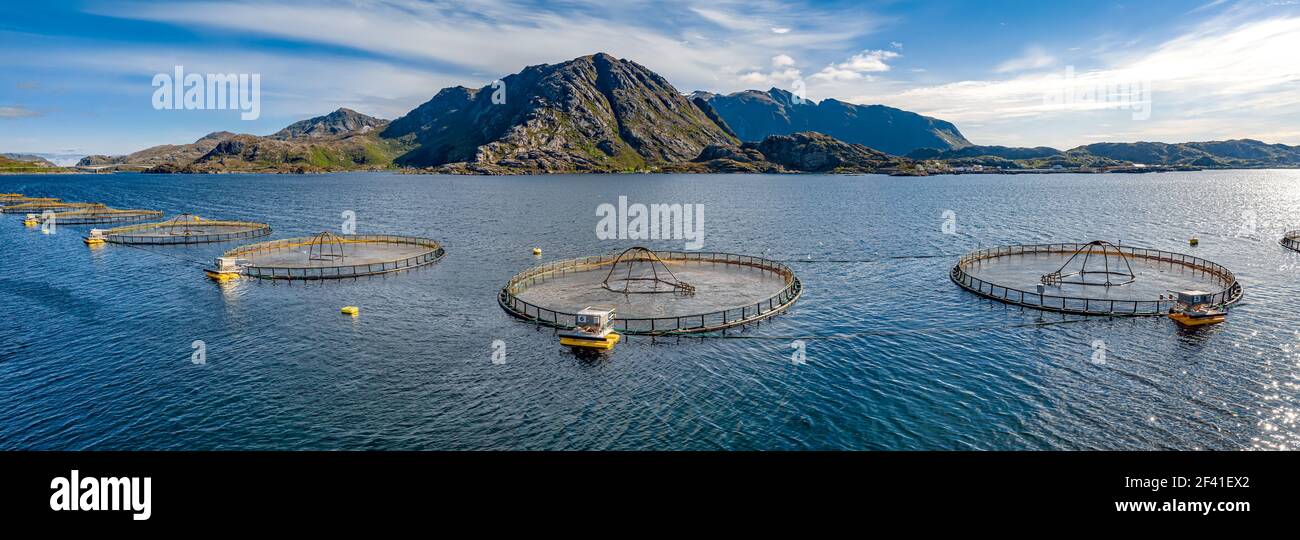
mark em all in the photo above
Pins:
pixel 610 340
pixel 221 276
pixel 93 241
pixel 1186 320
pixel 350 310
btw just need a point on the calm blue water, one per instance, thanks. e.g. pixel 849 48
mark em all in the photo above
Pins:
pixel 95 346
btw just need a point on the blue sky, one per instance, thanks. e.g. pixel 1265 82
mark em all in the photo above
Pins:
pixel 77 75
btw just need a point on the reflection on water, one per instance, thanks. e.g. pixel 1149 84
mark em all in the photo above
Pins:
pixel 95 349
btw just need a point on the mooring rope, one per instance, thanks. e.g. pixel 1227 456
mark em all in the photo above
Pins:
pixel 200 264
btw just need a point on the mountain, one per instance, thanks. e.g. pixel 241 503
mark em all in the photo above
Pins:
pixel 1241 153
pixel 166 154
pixel 592 114
pixel 1004 152
pixel 340 123
pixel 806 152
pixel 341 140
pixel 1231 153
pixel 22 164
pixel 754 115
pixel 30 159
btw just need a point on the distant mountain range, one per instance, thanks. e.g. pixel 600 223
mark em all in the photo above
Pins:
pixel 753 115
pixel 1239 153
pixel 341 140
pixel 30 159
pixel 598 113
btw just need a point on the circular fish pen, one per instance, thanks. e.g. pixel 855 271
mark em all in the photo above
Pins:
pixel 10 199
pixel 182 229
pixel 1094 278
pixel 39 206
pixel 654 292
pixel 1291 240
pixel 98 216
pixel 328 256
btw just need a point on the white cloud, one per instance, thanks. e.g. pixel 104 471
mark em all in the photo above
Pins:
pixel 1226 78
pixel 782 60
pixel 857 66
pixel 1033 58
pixel 694 47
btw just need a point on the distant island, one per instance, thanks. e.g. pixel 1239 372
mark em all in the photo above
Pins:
pixel 600 114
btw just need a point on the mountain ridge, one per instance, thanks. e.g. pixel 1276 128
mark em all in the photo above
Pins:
pixel 754 114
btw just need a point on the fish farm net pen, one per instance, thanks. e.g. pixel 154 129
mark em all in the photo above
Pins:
pixel 328 256
pixel 1094 278
pixel 41 206
pixel 98 216
pixel 1291 240
pixel 705 291
pixel 182 229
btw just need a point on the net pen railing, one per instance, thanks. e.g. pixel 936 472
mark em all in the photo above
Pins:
pixel 433 252
pixel 37 207
pixel 679 324
pixel 1230 293
pixel 97 217
pixel 166 232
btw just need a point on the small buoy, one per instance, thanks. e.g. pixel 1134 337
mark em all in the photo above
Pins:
pixel 350 310
pixel 537 251
pixel 1193 241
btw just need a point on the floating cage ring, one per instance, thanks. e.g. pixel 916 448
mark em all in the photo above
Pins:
pixel 322 256
pixel 96 216
pixel 1291 240
pixel 714 291
pixel 28 206
pixel 184 229
pixel 1092 278
pixel 627 275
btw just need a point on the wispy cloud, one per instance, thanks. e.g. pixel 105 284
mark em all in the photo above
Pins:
pixel 1226 77
pixel 1033 58
pixel 694 46
pixel 12 112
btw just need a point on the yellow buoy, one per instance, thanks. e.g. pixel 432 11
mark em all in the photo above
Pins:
pixel 1193 241
pixel 537 251
pixel 31 222
pixel 350 310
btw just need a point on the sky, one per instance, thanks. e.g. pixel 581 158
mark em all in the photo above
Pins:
pixel 77 77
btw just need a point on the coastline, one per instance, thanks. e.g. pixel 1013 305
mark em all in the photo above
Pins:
pixel 414 171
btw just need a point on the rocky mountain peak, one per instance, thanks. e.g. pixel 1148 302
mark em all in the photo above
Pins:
pixel 340 123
